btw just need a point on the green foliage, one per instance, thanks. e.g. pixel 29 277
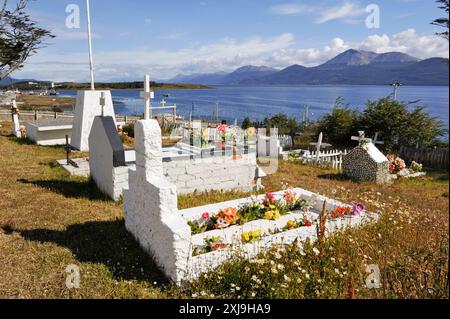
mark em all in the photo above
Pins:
pixel 443 21
pixel 129 129
pixel 20 37
pixel 286 125
pixel 339 126
pixel 247 123
pixel 395 124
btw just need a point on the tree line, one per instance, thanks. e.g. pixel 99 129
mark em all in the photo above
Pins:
pixel 395 123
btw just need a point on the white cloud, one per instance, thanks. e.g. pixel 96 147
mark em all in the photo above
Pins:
pixel 172 36
pixel 148 21
pixel 346 12
pixel 408 41
pixel 223 55
pixel 341 12
pixel 291 9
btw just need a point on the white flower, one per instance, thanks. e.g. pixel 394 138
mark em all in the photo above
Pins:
pixel 336 270
pixel 286 278
pixel 280 267
pixel 316 251
pixel 307 276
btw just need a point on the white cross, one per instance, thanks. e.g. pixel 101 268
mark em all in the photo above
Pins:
pixel 361 138
pixel 376 141
pixel 147 95
pixel 103 102
pixel 319 145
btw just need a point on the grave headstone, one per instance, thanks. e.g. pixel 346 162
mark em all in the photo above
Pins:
pixel 365 163
pixel 107 157
pixel 15 120
pixel 89 105
pixel 150 205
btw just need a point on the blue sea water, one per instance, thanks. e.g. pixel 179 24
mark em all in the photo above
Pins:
pixel 257 102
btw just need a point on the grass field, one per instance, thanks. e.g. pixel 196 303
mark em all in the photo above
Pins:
pixel 49 220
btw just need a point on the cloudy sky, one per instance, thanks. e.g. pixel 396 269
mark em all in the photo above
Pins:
pixel 166 38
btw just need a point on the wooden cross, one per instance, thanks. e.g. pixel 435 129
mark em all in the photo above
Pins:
pixel 147 95
pixel 103 102
pixel 376 141
pixel 361 138
pixel 319 145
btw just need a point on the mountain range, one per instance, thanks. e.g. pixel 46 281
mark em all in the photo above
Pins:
pixel 350 67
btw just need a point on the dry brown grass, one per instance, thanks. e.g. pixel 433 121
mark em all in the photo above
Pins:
pixel 36 102
pixel 49 220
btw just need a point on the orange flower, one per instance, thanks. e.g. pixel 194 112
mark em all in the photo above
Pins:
pixel 289 196
pixel 228 214
pixel 340 211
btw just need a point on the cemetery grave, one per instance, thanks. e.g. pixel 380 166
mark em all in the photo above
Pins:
pixel 72 225
pixel 175 239
pixel 48 132
pixel 365 163
pixel 192 164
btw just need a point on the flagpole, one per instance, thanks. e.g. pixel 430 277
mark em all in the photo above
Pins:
pixel 91 61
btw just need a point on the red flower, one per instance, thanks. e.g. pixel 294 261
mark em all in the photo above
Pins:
pixel 269 199
pixel 307 222
pixel 217 246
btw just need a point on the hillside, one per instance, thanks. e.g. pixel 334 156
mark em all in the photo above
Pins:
pixel 350 67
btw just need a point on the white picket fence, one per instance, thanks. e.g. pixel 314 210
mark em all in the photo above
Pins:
pixel 330 158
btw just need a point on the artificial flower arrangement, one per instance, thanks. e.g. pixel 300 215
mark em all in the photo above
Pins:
pixel 210 244
pixel 269 208
pixel 227 134
pixel 416 167
pixel 398 166
pixel 342 211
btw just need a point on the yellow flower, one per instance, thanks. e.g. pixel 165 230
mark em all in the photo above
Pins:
pixel 290 224
pixel 272 215
pixel 251 131
pixel 257 233
pixel 276 214
pixel 245 237
pixel 268 215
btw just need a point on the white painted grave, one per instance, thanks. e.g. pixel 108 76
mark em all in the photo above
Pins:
pixel 152 216
pixel 49 132
pixel 107 161
pixel 15 120
pixel 268 146
pixel 89 105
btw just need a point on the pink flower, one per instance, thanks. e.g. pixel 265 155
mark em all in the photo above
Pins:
pixel 222 128
pixel 358 208
pixel 206 216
